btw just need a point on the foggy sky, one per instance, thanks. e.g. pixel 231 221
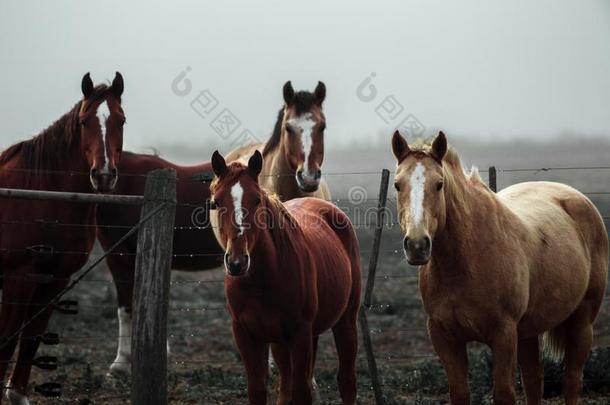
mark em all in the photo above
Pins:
pixel 478 68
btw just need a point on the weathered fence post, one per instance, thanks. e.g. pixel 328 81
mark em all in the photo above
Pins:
pixel 492 179
pixel 151 291
pixel 370 283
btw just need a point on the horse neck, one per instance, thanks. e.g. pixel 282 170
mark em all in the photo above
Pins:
pixel 280 236
pixel 55 153
pixel 282 181
pixel 465 204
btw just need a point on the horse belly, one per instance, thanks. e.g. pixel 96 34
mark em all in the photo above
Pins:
pixel 559 278
pixel 334 289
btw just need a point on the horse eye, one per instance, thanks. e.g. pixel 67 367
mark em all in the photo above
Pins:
pixel 82 122
pixel 396 186
pixel 289 129
pixel 439 186
pixel 257 201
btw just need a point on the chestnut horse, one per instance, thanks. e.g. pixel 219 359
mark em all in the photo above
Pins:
pixel 501 269
pixel 292 272
pixel 283 148
pixel 80 152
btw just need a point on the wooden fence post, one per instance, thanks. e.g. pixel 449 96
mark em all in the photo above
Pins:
pixel 370 283
pixel 492 179
pixel 151 291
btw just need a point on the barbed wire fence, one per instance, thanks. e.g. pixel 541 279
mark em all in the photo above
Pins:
pixel 378 222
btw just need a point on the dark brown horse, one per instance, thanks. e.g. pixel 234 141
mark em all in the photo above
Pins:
pixel 284 148
pixel 80 152
pixel 292 272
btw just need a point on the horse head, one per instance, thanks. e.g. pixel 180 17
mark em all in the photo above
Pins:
pixel 237 217
pixel 419 183
pixel 101 120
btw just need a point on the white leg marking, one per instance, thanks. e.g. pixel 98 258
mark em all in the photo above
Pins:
pixel 15 398
pixel 305 123
pixel 237 192
pixel 417 182
pixel 103 112
pixel 122 362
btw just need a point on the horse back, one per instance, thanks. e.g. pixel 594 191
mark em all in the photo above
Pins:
pixel 195 247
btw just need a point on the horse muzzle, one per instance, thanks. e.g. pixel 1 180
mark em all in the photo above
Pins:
pixel 103 181
pixel 417 250
pixel 237 265
pixel 308 183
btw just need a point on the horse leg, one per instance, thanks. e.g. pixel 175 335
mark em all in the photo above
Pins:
pixel 301 353
pixel 16 296
pixel 528 355
pixel 28 343
pixel 254 354
pixel 504 348
pixel 122 272
pixel 345 333
pixel 454 357
pixel 579 339
pixel 314 383
pixel 281 355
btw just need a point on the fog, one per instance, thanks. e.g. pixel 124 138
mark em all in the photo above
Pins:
pixel 485 70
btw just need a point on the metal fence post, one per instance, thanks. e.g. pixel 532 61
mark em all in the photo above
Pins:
pixel 151 291
pixel 492 179
pixel 370 283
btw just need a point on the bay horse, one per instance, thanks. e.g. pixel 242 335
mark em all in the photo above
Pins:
pixel 292 272
pixel 294 154
pixel 80 152
pixel 301 120
pixel 501 269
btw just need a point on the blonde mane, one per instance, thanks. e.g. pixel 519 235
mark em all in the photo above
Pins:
pixel 451 160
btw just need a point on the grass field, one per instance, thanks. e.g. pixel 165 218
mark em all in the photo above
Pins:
pixel 204 364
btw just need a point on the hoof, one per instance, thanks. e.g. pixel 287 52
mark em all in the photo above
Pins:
pixel 15 398
pixel 119 369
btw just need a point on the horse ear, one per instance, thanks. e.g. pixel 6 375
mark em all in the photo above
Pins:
pixel 255 164
pixel 320 93
pixel 288 93
pixel 439 146
pixel 87 85
pixel 117 85
pixel 400 147
pixel 219 166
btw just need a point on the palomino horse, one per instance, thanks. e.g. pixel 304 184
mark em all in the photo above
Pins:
pixel 501 269
pixel 80 151
pixel 300 121
pixel 292 272
pixel 294 154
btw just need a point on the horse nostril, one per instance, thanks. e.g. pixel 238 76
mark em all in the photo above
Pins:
pixel 427 243
pixel 318 174
pixel 114 172
pixel 94 173
pixel 405 243
pixel 300 174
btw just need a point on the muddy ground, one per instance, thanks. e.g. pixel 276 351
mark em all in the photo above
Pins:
pixel 204 365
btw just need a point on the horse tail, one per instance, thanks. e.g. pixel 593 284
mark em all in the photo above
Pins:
pixel 554 342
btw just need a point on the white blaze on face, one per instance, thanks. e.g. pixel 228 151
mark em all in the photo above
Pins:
pixel 417 183
pixel 305 123
pixel 237 192
pixel 103 112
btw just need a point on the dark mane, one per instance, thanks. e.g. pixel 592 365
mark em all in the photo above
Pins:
pixel 303 102
pixel 48 149
pixel 274 141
